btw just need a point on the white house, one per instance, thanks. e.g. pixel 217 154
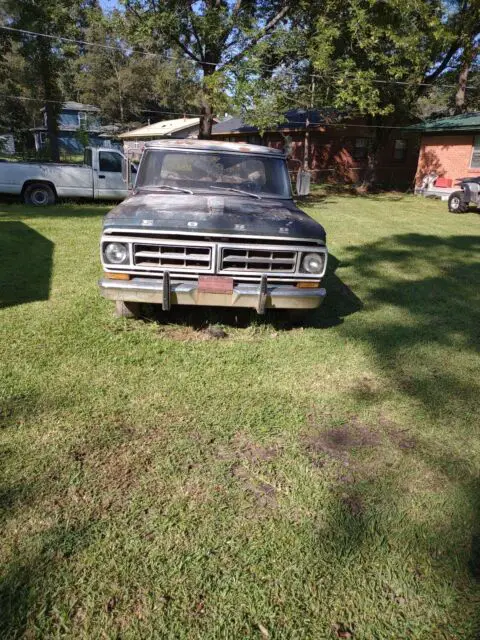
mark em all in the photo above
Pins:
pixel 134 141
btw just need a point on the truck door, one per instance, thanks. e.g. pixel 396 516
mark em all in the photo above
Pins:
pixel 108 176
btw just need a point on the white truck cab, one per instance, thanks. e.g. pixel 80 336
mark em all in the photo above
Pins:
pixel 42 183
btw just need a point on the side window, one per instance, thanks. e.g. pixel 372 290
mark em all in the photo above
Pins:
pixel 475 161
pixel 360 151
pixel 110 161
pixel 88 157
pixel 400 150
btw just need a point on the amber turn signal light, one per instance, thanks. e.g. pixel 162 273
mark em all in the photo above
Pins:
pixel 310 284
pixel 117 276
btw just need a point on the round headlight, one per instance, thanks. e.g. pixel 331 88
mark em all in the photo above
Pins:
pixel 115 253
pixel 312 263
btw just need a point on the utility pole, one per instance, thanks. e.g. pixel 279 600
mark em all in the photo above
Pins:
pixel 306 144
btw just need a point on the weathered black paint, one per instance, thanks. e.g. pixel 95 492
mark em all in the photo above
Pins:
pixel 214 212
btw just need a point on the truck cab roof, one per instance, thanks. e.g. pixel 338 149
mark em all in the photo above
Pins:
pixel 214 145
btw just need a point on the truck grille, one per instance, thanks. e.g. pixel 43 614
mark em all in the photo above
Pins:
pixel 172 256
pixel 263 260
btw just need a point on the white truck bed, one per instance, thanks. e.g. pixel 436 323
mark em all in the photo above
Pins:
pixel 70 180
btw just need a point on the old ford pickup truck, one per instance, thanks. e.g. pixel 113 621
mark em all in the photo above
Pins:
pixel 211 223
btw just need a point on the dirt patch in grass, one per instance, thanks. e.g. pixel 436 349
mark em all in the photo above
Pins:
pixel 249 461
pixel 189 334
pixel 353 503
pixel 242 449
pixel 338 442
pixel 265 493
pixel 402 438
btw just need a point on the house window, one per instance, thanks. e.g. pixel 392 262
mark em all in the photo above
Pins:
pixel 475 162
pixel 82 119
pixel 400 149
pixel 360 151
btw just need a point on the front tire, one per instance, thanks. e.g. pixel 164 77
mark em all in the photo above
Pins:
pixel 39 195
pixel 127 309
pixel 456 202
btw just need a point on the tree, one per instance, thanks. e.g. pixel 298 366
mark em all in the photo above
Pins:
pixel 47 58
pixel 371 58
pixel 16 110
pixel 462 22
pixel 213 34
pixel 125 83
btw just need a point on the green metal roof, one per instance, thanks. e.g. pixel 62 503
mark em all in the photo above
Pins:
pixel 462 122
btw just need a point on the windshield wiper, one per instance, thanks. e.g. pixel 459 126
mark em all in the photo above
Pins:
pixel 167 186
pixel 245 193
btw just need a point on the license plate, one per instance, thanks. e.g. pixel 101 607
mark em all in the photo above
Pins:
pixel 215 284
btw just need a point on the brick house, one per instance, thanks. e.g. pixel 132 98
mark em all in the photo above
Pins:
pixel 449 148
pixel 338 146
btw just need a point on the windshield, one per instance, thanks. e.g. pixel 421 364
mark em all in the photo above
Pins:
pixel 196 171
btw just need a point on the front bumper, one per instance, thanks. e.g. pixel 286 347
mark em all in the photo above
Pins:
pixel 258 296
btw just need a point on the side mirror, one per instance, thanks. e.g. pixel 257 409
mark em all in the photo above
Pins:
pixel 303 182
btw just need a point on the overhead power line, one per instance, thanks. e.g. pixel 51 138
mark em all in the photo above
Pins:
pixel 339 125
pixel 213 64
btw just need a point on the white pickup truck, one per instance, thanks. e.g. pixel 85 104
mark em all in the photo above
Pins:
pixel 41 183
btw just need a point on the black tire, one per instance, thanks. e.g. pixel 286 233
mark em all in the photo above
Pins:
pixel 39 195
pixel 127 309
pixel 456 202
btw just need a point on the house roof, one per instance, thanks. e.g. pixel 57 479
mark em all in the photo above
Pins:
pixel 77 106
pixel 294 119
pixel 462 122
pixel 161 129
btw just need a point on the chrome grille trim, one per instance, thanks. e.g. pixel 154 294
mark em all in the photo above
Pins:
pixel 195 258
pixel 235 259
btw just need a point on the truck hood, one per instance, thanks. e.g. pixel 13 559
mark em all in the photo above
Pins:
pixel 207 213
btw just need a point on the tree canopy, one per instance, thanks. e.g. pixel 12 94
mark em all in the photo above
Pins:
pixel 388 60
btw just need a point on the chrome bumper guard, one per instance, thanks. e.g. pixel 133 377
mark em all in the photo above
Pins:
pixel 165 291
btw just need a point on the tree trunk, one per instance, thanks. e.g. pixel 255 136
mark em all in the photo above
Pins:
pixel 378 140
pixel 370 175
pixel 52 99
pixel 52 132
pixel 460 97
pixel 206 121
pixel 206 109
pixel 469 54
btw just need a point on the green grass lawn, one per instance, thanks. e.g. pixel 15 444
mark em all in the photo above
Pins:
pixel 311 482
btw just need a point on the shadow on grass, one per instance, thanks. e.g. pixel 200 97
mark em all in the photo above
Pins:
pixel 64 209
pixel 339 303
pixel 326 195
pixel 25 264
pixel 441 310
pixel 22 587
